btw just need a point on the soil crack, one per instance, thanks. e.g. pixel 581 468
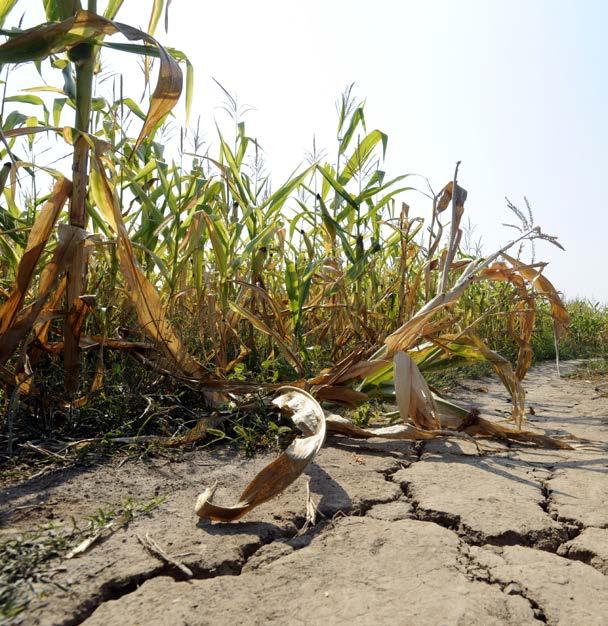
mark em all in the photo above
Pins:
pixel 118 588
pixel 293 540
pixel 548 540
pixel 470 567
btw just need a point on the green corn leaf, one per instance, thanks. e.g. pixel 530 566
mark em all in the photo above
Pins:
pixel 292 286
pixel 6 6
pixel 219 242
pixel 58 10
pixel 58 104
pixel 41 41
pixel 189 89
pixel 276 200
pixel 112 9
pixel 134 108
pixel 358 117
pixel 361 155
pixel 373 189
pixel 157 10
pixel 338 187
pixel 13 119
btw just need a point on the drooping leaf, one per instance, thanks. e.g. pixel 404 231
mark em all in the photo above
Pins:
pixel 69 237
pixel 475 349
pixel 542 285
pixel 414 398
pixel 150 311
pixel 85 27
pixel 37 240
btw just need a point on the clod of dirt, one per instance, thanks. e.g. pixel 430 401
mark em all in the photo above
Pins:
pixel 591 546
pixel 392 511
pixel 487 500
pixel 563 591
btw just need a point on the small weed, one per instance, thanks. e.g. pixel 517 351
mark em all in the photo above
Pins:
pixel 128 509
pixel 595 370
pixel 25 562
pixel 254 429
pixel 365 414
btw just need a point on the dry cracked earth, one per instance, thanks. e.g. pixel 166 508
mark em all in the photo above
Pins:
pixel 407 534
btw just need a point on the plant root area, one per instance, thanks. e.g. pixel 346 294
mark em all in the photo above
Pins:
pixel 404 533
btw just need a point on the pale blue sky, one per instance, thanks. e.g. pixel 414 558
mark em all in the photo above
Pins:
pixel 515 89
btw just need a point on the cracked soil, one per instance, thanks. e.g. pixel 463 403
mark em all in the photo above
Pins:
pixel 406 534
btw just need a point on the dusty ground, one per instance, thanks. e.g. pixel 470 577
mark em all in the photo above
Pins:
pixel 434 534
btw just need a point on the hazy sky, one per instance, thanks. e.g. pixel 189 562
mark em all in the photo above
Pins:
pixel 515 89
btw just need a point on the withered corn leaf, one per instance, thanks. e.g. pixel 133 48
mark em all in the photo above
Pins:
pixel 151 313
pixel 414 398
pixel 308 415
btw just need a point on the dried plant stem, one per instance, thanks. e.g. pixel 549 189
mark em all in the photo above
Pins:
pixel 80 176
pixel 453 242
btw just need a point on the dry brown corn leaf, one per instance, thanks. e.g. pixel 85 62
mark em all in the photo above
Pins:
pixel 543 286
pixel 414 398
pixel 521 321
pixel 340 371
pixel 275 477
pixel 342 395
pixel 445 197
pixel 455 417
pixel 475 425
pixel 406 336
pixel 43 324
pixel 338 425
pixel 151 313
pixel 362 369
pixel 69 237
pixel 452 425
pixel 487 428
pixel 38 237
pixel 471 347
pixel 506 374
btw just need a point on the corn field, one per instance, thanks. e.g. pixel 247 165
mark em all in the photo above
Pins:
pixel 188 263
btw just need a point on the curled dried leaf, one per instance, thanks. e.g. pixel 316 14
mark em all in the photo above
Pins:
pixel 86 28
pixel 543 286
pixel 275 477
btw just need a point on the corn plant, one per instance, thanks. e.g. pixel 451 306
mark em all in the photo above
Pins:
pixel 79 34
pixel 210 273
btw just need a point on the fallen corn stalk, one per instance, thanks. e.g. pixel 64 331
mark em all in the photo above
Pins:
pixel 463 424
pixel 313 422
